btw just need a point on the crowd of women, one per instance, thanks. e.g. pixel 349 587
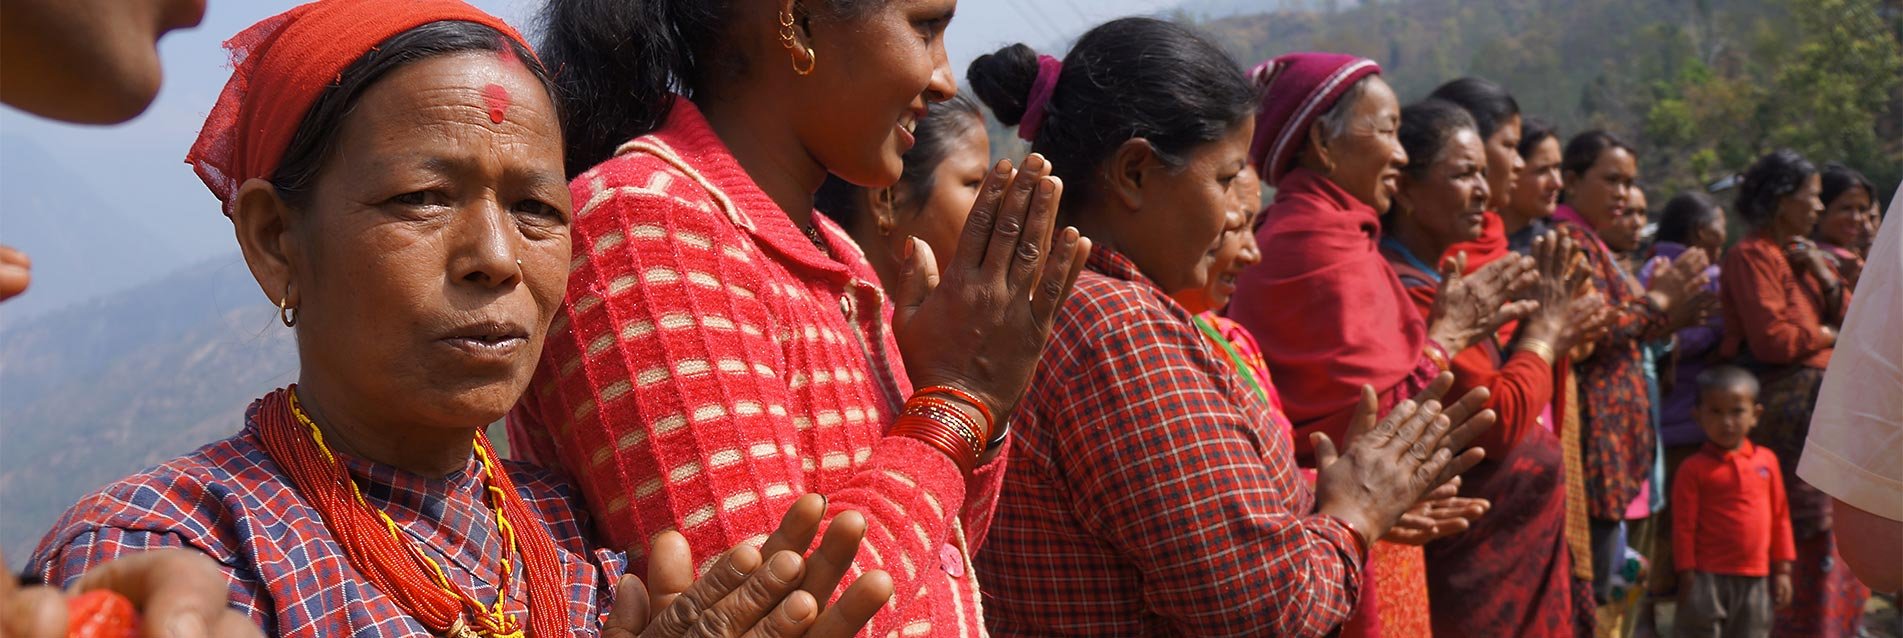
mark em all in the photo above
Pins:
pixel 769 329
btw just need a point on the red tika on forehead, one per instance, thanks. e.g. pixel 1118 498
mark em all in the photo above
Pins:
pixel 497 98
pixel 282 64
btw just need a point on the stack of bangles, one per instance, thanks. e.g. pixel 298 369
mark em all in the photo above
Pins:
pixel 933 416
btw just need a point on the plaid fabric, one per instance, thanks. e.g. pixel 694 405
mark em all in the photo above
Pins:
pixel 1150 493
pixel 231 501
pixel 712 364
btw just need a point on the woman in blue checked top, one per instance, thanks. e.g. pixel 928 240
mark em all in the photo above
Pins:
pixel 394 173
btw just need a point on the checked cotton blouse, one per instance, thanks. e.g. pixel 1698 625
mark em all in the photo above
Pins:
pixel 1150 492
pixel 232 502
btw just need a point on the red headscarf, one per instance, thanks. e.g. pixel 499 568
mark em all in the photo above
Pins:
pixel 282 64
pixel 1296 89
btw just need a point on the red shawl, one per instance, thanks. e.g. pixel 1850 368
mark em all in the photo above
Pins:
pixel 1326 306
pixel 1491 245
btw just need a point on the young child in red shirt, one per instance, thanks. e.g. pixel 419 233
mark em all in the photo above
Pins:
pixel 1730 526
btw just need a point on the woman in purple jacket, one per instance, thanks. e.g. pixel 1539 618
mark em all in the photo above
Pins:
pixel 1691 220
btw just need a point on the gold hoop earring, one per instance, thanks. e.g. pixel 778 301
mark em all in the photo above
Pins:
pixel 790 39
pixel 287 314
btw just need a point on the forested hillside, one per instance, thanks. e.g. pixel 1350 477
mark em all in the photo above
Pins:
pixel 1702 87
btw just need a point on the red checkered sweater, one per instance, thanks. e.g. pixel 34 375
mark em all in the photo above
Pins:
pixel 711 365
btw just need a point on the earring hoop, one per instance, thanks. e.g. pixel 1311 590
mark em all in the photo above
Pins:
pixel 287 314
pixel 790 39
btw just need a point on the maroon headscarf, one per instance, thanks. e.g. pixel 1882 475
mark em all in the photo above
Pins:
pixel 1296 89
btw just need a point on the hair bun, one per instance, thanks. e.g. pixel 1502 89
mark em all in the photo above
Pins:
pixel 1003 80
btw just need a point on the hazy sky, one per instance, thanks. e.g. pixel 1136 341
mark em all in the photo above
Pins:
pixel 139 167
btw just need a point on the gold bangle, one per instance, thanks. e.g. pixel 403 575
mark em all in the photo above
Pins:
pixel 1436 353
pixel 1540 349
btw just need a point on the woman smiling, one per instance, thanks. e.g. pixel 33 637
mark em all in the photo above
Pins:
pixel 723 347
pixel 1512 573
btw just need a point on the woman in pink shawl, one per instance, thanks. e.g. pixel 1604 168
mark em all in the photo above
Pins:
pixel 1327 308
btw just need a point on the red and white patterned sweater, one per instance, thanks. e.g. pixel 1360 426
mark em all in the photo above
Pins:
pixel 711 365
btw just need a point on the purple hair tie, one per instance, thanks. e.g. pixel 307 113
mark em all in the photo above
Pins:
pixel 1048 68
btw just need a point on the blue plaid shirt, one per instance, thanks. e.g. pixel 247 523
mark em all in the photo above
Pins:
pixel 231 501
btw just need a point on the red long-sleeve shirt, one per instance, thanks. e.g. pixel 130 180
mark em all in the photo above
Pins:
pixel 1729 515
pixel 1771 311
pixel 712 364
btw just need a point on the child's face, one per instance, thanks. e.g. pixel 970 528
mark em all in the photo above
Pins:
pixel 1727 415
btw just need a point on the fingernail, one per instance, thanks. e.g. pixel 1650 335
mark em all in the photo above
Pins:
pixel 1002 169
pixel 186 626
pixel 784 566
pixel 800 606
pixel 1034 163
pixel 911 249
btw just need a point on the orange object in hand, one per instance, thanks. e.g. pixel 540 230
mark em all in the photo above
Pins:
pixel 101 614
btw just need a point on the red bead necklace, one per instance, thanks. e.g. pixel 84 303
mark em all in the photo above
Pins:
pixel 396 564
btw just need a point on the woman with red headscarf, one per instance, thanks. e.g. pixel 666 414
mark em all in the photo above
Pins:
pixel 1329 311
pixel 394 174
pixel 96 62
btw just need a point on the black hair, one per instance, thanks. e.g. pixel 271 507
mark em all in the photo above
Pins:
pixel 1839 179
pixel 1125 79
pixel 619 63
pixel 936 136
pixel 1768 181
pixel 1684 214
pixel 1585 148
pixel 1426 129
pixel 315 138
pixel 1720 378
pixel 1489 104
pixel 1534 131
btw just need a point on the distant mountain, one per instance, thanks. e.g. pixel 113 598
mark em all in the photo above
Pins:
pixel 81 247
pixel 99 390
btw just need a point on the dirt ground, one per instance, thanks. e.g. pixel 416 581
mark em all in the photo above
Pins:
pixel 1881 619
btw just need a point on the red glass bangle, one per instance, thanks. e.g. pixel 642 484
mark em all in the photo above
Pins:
pixel 1361 539
pixel 991 420
pixel 937 435
pixel 946 412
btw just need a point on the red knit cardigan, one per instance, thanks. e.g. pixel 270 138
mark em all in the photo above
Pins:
pixel 711 364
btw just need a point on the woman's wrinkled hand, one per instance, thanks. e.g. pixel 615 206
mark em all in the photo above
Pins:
pixel 179 593
pixel 1391 465
pixel 743 594
pixel 1804 256
pixel 981 326
pixel 1679 289
pixel 1469 307
pixel 1562 280
pixel 1440 514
